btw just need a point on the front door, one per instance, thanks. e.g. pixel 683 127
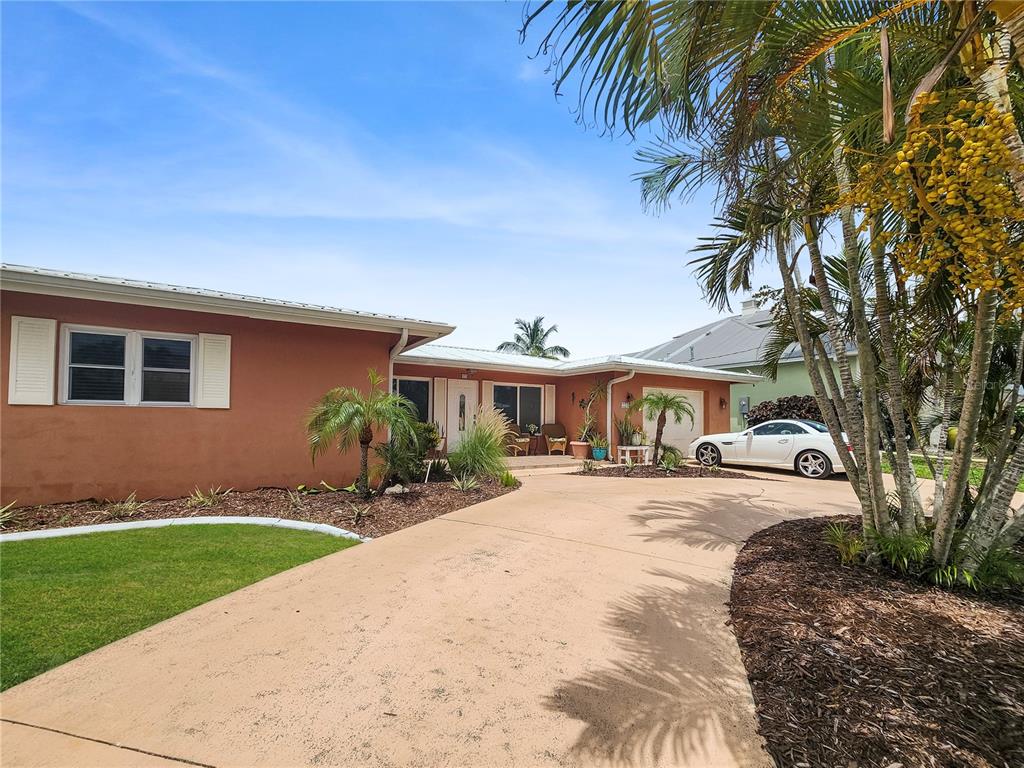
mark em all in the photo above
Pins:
pixel 462 400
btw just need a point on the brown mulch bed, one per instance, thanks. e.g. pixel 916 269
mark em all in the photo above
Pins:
pixel 852 666
pixel 649 470
pixel 384 514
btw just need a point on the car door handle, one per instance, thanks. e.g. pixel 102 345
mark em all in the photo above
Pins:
pixel 784 440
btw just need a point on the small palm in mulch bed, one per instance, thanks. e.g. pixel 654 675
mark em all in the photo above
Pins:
pixel 649 471
pixel 852 666
pixel 373 517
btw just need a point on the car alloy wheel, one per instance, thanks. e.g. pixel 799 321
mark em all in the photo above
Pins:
pixel 814 465
pixel 708 455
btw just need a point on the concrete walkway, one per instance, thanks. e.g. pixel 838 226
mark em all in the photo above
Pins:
pixel 578 621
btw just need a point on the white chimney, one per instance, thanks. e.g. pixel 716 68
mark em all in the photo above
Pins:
pixel 749 307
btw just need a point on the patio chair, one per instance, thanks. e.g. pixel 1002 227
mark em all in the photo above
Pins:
pixel 517 442
pixel 555 438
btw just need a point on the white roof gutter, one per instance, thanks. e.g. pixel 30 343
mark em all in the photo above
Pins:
pixel 608 398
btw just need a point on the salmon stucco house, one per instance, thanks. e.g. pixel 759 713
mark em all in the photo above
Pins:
pixel 113 386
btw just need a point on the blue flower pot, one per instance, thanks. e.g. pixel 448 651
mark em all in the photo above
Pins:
pixel 599 453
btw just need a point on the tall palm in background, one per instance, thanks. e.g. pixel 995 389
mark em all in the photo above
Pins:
pixel 532 339
pixel 778 104
pixel 347 416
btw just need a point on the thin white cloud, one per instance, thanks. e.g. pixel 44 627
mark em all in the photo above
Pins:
pixel 329 210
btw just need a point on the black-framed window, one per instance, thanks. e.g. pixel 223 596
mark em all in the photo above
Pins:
pixel 166 370
pixel 96 366
pixel 521 403
pixel 108 366
pixel 418 391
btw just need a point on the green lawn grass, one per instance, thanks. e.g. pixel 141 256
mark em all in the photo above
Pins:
pixel 62 597
pixel 921 470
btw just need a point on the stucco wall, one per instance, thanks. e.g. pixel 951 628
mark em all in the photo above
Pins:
pixel 70 452
pixel 570 390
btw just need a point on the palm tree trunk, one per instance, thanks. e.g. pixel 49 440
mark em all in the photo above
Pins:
pixel 795 308
pixel 940 453
pixel 363 485
pixel 988 76
pixel 967 429
pixel 662 420
pixel 1013 531
pixel 988 521
pixel 906 482
pixel 869 382
pixel 994 468
pixel 849 409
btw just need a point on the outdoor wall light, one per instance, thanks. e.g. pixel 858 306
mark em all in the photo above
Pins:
pixel 723 403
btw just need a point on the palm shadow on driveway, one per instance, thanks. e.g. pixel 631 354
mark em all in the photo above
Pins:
pixel 725 521
pixel 678 695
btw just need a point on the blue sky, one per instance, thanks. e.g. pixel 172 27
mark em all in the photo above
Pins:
pixel 395 157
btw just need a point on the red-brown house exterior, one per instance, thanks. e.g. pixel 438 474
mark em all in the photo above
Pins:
pixel 278 369
pixel 281 358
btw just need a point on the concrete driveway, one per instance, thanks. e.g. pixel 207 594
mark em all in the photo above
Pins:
pixel 578 621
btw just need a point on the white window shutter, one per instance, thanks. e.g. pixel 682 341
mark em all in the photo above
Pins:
pixel 549 403
pixel 33 360
pixel 213 371
pixel 441 404
pixel 487 394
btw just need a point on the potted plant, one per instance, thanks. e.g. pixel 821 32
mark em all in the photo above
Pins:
pixel 581 448
pixel 599 447
pixel 532 429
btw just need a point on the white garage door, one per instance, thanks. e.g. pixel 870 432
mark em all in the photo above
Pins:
pixel 678 435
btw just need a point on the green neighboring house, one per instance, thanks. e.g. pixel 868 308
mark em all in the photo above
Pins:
pixel 737 344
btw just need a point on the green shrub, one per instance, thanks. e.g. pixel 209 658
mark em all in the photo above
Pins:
pixel 905 552
pixel 508 480
pixel 482 450
pixel 465 483
pixel 588 465
pixel 1000 568
pixel 849 544
pixel 404 456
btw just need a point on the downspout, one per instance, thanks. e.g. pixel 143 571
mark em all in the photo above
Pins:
pixel 608 398
pixel 395 352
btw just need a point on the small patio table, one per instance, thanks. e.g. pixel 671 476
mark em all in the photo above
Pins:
pixel 642 452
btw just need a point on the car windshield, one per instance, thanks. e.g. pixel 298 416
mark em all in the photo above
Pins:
pixel 815 425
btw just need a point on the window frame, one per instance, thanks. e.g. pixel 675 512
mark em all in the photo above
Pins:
pixel 519 400
pixel 430 391
pixel 133 365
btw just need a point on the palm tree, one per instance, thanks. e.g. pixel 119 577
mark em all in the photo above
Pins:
pixel 775 102
pixel 346 416
pixel 658 405
pixel 532 338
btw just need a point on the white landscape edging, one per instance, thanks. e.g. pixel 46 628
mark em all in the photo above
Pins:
pixel 273 522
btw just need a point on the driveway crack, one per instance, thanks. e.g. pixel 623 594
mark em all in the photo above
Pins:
pixel 183 760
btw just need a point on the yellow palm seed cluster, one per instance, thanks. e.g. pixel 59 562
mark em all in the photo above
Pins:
pixel 949 184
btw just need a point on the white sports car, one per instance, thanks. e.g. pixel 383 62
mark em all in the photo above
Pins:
pixel 804 446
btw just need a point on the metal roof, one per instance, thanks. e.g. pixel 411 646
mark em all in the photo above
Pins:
pixel 467 357
pixel 731 342
pixel 54 282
